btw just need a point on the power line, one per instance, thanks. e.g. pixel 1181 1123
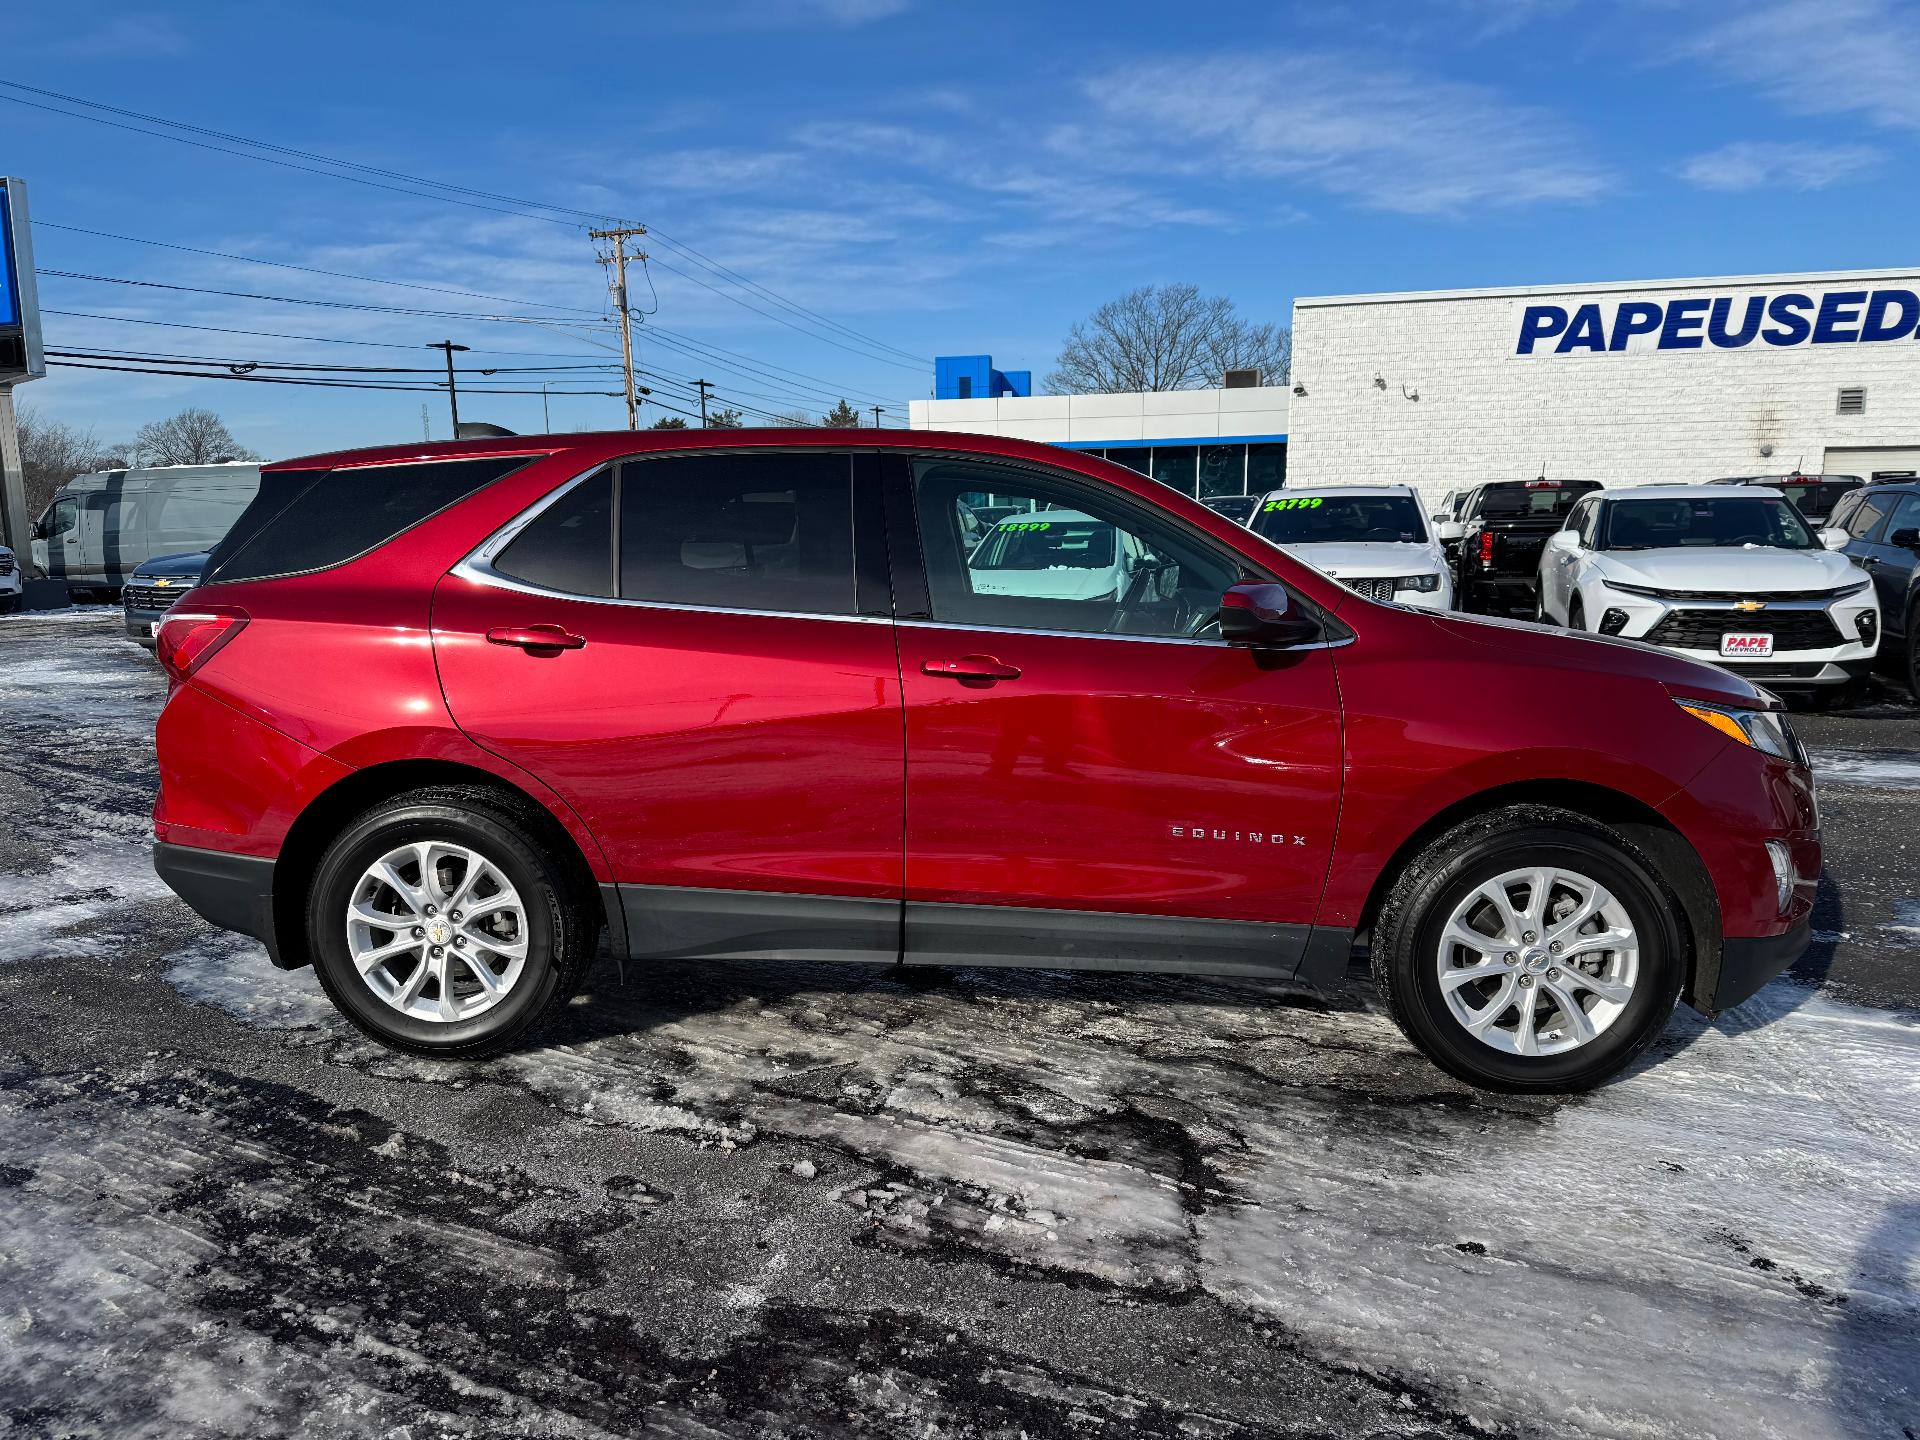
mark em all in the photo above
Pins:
pixel 450 193
pixel 101 352
pixel 284 335
pixel 293 299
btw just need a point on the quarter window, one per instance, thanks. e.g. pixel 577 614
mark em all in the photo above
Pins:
pixel 1062 557
pixel 771 530
pixel 569 545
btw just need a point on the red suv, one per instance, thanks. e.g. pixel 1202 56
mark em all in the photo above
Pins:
pixel 441 715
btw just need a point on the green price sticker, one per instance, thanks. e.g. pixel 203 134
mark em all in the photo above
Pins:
pixel 1022 526
pixel 1296 502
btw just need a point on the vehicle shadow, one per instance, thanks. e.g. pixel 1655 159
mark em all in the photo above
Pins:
pixel 1871 1361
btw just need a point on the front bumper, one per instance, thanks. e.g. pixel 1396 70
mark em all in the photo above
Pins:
pixel 1747 965
pixel 232 892
pixel 1836 657
pixel 140 625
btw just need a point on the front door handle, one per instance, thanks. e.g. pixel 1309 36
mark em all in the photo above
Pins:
pixel 536 637
pixel 971 669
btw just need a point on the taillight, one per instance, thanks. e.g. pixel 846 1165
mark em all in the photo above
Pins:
pixel 1486 547
pixel 187 639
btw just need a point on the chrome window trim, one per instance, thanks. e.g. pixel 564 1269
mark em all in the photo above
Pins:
pixel 1107 635
pixel 477 567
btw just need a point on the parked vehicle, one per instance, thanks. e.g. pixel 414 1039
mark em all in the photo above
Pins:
pixel 1814 496
pixel 443 714
pixel 1371 538
pixel 1237 508
pixel 13 584
pixel 1879 530
pixel 1731 576
pixel 1058 553
pixel 153 587
pixel 100 528
pixel 1497 539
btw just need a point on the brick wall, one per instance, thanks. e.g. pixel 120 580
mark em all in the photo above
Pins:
pixel 1638 416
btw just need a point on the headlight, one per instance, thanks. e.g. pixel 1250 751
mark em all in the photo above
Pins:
pixel 1851 590
pixel 1646 590
pixel 1762 729
pixel 1424 584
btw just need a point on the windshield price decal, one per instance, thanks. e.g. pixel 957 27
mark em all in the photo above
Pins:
pixel 1296 502
pixel 1025 525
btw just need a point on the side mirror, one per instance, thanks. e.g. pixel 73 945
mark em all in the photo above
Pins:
pixel 1564 540
pixel 1449 531
pixel 1834 539
pixel 1258 612
pixel 1907 538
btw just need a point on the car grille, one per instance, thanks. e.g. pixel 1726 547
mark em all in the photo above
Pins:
pixel 1372 589
pixel 150 597
pixel 6 563
pixel 1791 629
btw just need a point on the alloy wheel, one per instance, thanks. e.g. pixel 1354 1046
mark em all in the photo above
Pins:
pixel 1538 961
pixel 437 931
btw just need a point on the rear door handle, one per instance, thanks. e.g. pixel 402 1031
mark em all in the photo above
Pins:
pixel 536 637
pixel 981 669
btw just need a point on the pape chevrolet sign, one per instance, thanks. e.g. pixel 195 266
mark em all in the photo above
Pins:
pixel 1723 322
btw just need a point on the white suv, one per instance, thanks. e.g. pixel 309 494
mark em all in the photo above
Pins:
pixel 1371 538
pixel 12 583
pixel 1719 573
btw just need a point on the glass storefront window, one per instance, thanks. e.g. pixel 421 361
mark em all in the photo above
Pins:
pixel 1175 465
pixel 1134 457
pixel 1266 467
pixel 1223 469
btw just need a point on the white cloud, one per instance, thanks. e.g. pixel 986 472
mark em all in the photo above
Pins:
pixel 1794 165
pixel 1825 57
pixel 1388 139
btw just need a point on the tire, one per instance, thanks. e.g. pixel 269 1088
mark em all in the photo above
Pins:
pixel 1913 653
pixel 548 929
pixel 1450 873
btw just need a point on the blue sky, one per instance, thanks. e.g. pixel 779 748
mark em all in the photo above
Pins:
pixel 939 179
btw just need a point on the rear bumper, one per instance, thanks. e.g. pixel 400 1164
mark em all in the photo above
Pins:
pixel 1746 965
pixel 233 892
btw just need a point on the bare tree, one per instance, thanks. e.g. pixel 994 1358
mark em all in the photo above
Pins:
pixel 795 420
pixel 842 417
pixel 52 453
pixel 193 437
pixel 1167 337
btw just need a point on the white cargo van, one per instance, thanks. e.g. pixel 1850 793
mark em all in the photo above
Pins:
pixel 99 527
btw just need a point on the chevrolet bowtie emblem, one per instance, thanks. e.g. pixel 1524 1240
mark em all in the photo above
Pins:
pixel 1747 607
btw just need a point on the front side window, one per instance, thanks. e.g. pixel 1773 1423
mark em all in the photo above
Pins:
pixel 1319 519
pixel 769 530
pixel 1067 558
pixel 63 518
pixel 569 545
pixel 1867 515
pixel 1907 517
pixel 1686 523
pixel 1581 522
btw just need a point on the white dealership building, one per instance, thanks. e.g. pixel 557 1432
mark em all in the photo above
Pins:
pixel 1623 382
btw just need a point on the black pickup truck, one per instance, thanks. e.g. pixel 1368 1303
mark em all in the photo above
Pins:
pixel 1496 537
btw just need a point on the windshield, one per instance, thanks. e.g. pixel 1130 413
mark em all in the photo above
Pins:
pixel 1317 519
pixel 1684 523
pixel 1046 542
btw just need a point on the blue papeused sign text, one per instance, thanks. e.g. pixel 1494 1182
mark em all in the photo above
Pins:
pixel 1725 322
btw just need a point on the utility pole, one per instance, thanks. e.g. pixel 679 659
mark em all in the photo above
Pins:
pixel 703 386
pixel 618 260
pixel 876 415
pixel 453 394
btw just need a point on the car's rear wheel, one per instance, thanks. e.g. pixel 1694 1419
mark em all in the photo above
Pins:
pixel 443 922
pixel 1913 652
pixel 1529 949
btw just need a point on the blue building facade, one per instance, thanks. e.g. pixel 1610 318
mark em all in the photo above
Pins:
pixel 972 377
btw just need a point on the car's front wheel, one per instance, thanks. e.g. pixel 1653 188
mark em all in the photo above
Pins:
pixel 442 922
pixel 1530 948
pixel 1576 614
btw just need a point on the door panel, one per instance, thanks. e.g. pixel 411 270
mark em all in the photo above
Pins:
pixel 1129 776
pixel 748 752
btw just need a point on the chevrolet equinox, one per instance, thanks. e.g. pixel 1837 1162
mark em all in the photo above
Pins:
pixel 441 715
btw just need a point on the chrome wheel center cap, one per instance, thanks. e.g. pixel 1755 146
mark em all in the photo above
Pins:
pixel 439 932
pixel 1534 960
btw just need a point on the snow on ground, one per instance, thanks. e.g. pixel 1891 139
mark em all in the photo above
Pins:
pixel 1725 1242
pixel 1890 769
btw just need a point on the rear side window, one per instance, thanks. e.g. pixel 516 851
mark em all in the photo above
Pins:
pixel 765 531
pixel 303 520
pixel 569 545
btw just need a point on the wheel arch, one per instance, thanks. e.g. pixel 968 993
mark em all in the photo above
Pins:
pixel 359 790
pixel 1677 866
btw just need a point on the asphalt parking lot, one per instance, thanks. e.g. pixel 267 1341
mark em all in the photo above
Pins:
pixel 797 1200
